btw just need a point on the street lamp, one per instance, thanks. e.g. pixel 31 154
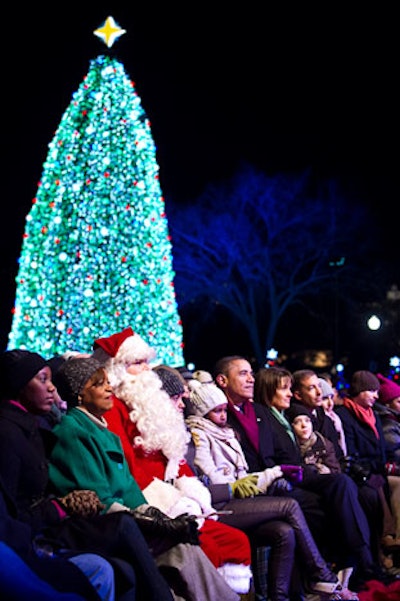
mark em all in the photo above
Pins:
pixel 374 323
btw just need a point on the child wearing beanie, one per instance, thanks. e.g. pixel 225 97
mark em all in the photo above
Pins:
pixel 317 451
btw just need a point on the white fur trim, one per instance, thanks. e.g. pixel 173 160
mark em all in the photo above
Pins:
pixel 191 487
pixel 162 495
pixel 238 576
pixel 134 348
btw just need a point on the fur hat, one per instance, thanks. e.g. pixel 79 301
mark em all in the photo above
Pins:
pixel 326 388
pixel 361 381
pixel 72 376
pixel 204 397
pixel 388 390
pixel 17 368
pixel 203 376
pixel 123 345
pixel 172 381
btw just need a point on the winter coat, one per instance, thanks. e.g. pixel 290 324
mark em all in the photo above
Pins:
pixel 362 442
pixel 218 453
pixel 87 455
pixel 390 420
pixel 319 452
pixel 143 466
pixel 24 466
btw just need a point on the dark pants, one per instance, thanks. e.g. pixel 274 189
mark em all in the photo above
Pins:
pixel 347 532
pixel 116 537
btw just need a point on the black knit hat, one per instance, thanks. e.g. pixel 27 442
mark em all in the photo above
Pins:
pixel 363 380
pixel 172 381
pixel 72 376
pixel 17 368
pixel 296 409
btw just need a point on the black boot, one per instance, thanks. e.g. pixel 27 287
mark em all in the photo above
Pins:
pixel 320 577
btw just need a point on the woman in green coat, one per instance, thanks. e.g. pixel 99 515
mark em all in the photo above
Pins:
pixel 86 452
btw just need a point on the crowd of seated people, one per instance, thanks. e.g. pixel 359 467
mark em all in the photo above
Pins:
pixel 149 481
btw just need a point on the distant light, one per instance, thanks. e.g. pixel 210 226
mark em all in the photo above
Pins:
pixel 394 361
pixel 374 323
pixel 339 368
pixel 272 354
pixel 190 366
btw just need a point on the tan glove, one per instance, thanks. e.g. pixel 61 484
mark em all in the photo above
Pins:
pixel 83 503
pixel 266 477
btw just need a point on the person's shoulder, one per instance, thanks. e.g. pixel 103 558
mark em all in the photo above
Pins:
pixel 14 418
pixel 346 416
pixel 323 439
pixel 75 420
pixel 262 411
pixel 341 410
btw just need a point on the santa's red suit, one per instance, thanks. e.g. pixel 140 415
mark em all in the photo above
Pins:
pixel 154 439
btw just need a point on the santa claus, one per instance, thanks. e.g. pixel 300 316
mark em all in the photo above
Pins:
pixel 147 418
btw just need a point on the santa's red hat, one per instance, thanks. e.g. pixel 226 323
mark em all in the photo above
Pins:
pixel 123 345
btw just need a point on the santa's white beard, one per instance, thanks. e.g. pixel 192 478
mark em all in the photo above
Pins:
pixel 161 425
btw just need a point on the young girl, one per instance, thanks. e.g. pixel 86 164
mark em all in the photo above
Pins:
pixel 316 451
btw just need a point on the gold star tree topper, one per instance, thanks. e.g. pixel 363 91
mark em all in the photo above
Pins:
pixel 109 32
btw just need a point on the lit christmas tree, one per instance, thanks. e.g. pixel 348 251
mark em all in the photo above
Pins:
pixel 96 254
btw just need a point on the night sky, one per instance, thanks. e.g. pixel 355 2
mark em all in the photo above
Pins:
pixel 287 89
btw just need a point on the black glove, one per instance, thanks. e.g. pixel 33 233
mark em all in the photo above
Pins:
pixel 279 486
pixel 182 529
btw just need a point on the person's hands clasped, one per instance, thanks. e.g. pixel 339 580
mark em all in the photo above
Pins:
pixel 246 487
pixel 83 503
